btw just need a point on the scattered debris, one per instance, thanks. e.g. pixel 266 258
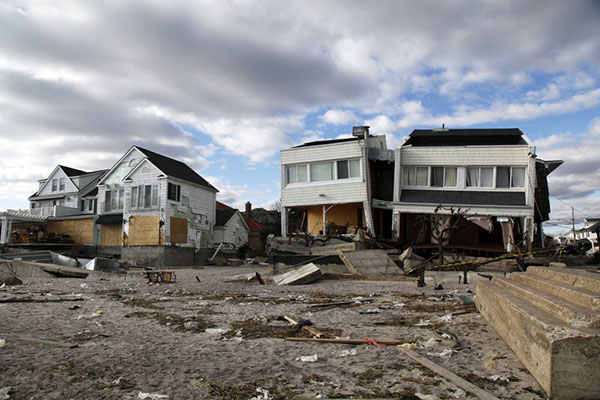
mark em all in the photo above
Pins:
pixel 152 396
pixel 310 359
pixel 346 353
pixel 161 276
pixel 2 342
pixel 305 325
pixel 446 353
pixel 4 393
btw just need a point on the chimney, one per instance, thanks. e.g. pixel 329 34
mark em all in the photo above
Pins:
pixel 248 210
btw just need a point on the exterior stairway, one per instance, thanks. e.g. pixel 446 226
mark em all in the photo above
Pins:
pixel 550 318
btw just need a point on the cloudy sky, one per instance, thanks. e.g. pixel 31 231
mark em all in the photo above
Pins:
pixel 224 85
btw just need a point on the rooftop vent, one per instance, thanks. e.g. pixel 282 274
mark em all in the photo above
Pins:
pixel 360 131
pixel 442 129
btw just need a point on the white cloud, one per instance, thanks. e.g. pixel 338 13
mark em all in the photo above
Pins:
pixel 339 117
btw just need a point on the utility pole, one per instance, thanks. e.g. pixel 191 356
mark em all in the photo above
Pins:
pixel 573 222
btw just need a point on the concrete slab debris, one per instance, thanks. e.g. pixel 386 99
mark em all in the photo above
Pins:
pixel 301 276
pixel 550 318
pixel 370 262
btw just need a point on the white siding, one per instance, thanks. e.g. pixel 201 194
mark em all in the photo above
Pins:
pixel 234 231
pixel 326 152
pixel 466 156
pixel 333 193
pixel 200 208
pixel 58 173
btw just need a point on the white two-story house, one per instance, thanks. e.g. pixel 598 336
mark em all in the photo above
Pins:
pixel 332 182
pixel 147 199
pixel 491 174
pixel 66 187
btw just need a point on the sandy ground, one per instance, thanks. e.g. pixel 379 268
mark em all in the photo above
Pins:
pixel 135 338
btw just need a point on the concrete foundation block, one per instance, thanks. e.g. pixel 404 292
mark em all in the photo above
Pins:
pixel 553 335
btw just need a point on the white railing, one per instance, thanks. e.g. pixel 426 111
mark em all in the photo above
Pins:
pixel 40 212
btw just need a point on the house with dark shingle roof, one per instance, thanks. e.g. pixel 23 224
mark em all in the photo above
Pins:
pixel 230 227
pixel 493 175
pixel 67 187
pixel 148 199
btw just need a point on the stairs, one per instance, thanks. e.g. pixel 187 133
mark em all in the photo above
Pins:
pixel 41 256
pixel 550 318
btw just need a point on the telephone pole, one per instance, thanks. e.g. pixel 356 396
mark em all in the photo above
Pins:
pixel 573 222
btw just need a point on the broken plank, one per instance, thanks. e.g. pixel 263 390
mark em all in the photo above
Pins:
pixel 48 342
pixel 315 332
pixel 345 341
pixel 32 300
pixel 455 379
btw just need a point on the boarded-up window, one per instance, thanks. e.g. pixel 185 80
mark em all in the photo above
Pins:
pixel 144 230
pixel 179 230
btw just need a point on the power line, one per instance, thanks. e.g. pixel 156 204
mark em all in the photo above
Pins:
pixel 564 202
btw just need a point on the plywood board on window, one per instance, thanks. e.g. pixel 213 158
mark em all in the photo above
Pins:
pixel 179 230
pixel 110 235
pixel 81 230
pixel 144 230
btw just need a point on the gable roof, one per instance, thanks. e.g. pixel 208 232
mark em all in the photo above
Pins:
pixel 254 226
pixel 466 137
pixel 223 216
pixel 222 206
pixel 70 172
pixel 174 168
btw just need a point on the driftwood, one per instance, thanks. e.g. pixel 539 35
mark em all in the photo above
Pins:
pixel 455 379
pixel 32 300
pixel 294 320
pixel 345 341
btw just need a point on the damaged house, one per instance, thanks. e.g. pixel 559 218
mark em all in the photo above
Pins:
pixel 487 183
pixel 147 199
pixel 340 185
pixel 491 178
pixel 230 227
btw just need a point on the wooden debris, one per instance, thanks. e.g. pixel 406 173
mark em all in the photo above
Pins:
pixel 48 342
pixel 32 300
pixel 315 332
pixel 345 341
pixel 455 379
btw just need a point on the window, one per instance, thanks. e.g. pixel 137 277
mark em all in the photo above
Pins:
pixel 513 177
pixel 107 200
pixel 62 184
pixel 144 196
pixel 54 185
pixel 113 199
pixel 517 177
pixel 502 177
pixel 296 173
pixel 412 176
pixel 480 177
pixel 134 197
pixel 173 192
pixel 321 172
pixel 450 176
pixel 437 176
pixel 348 169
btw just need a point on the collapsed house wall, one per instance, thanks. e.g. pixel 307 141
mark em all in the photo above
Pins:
pixel 81 230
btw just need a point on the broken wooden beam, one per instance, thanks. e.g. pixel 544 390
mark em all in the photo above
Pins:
pixel 345 341
pixel 303 275
pixel 455 379
pixel 32 300
pixel 315 332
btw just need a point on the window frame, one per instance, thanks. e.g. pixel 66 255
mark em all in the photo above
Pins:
pixel 54 185
pixel 353 166
pixel 173 189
